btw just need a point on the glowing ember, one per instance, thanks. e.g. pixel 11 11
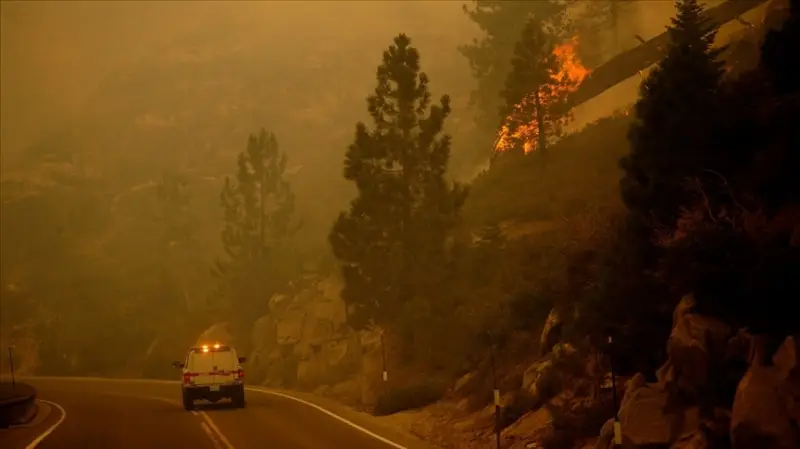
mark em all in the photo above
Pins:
pixel 568 78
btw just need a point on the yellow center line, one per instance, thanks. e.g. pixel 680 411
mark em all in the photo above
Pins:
pixel 210 434
pixel 219 433
pixel 208 426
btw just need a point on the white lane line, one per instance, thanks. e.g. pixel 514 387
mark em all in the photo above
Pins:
pixel 216 430
pixel 386 441
pixel 50 430
pixel 210 434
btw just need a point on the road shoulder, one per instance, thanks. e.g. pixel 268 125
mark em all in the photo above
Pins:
pixel 361 421
pixel 21 436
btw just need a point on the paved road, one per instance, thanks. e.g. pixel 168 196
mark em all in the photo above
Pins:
pixel 119 414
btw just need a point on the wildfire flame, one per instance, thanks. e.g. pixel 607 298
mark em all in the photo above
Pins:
pixel 570 75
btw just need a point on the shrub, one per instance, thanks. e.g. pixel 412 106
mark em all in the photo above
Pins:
pixel 521 403
pixel 409 397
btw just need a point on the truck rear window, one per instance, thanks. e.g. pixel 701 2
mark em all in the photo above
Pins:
pixel 206 361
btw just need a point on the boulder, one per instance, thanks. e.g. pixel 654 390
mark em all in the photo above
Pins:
pixel 289 326
pixel 304 341
pixel 606 438
pixel 787 360
pixel 551 332
pixel 694 440
pixel 787 364
pixel 761 415
pixel 535 379
pixel 648 417
pixel 697 344
pixel 534 374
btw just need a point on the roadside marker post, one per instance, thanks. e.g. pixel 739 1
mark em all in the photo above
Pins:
pixel 383 358
pixel 11 365
pixel 617 424
pixel 497 408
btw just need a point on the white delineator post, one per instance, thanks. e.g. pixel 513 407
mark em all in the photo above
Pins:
pixel 617 424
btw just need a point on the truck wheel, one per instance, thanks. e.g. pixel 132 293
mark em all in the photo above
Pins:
pixel 238 399
pixel 188 402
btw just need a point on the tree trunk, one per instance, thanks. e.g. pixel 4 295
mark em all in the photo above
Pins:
pixel 542 143
pixel 263 213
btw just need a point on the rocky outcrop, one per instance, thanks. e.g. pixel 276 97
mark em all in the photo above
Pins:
pixel 684 410
pixel 304 342
pixel 766 409
pixel 696 344
pixel 648 417
pixel 761 416
pixel 540 375
pixel 551 332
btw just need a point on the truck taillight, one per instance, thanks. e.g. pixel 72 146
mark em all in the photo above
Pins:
pixel 240 374
pixel 187 377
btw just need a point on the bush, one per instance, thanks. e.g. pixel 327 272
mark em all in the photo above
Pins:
pixel 521 403
pixel 573 424
pixel 408 398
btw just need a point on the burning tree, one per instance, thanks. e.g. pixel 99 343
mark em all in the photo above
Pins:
pixel 543 74
pixel 502 22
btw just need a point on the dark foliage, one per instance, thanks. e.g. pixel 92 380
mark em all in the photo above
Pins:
pixel 672 135
pixel 390 243
pixel 408 398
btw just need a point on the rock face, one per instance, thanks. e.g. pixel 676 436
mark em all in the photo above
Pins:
pixel 538 375
pixel 684 410
pixel 551 332
pixel 761 416
pixel 304 342
pixel 648 418
pixel 766 410
pixel 696 344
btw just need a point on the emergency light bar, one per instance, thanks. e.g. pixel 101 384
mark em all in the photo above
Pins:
pixel 211 348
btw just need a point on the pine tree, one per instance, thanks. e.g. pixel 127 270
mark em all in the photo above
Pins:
pixel 172 193
pixel 258 211
pixel 532 94
pixel 503 21
pixel 671 137
pixel 391 242
pixel 175 253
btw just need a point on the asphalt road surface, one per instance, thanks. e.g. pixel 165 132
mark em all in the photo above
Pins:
pixel 122 414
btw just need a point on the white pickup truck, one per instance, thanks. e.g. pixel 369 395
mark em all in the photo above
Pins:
pixel 212 372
